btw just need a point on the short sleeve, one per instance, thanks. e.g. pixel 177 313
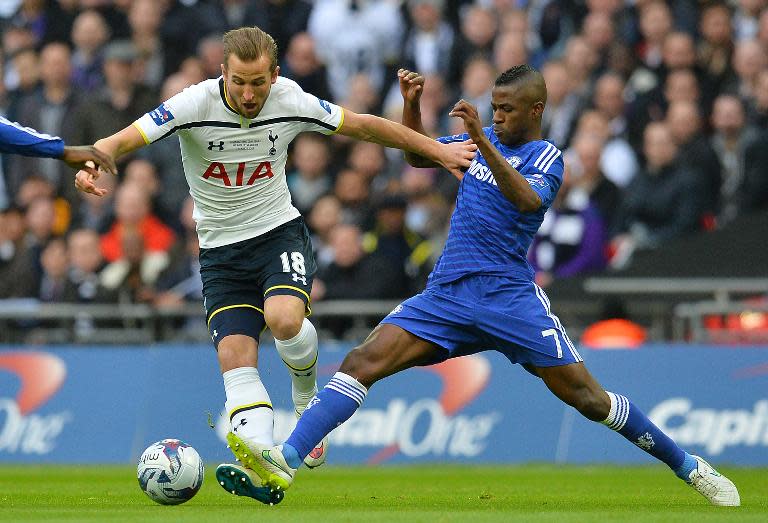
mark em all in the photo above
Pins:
pixel 170 115
pixel 317 114
pixel 545 173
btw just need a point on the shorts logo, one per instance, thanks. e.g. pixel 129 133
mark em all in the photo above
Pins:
pixel 161 115
pixel 214 145
pixel 297 278
pixel 325 105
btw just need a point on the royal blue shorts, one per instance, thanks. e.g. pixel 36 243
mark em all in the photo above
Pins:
pixel 479 313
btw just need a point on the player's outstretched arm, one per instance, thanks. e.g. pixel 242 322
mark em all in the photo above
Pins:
pixel 455 157
pixel 411 88
pixel 115 146
pixel 512 184
pixel 81 156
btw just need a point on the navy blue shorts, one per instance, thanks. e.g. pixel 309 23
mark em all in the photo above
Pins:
pixel 479 313
pixel 237 278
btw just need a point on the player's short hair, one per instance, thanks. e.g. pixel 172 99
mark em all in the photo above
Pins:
pixel 250 43
pixel 515 74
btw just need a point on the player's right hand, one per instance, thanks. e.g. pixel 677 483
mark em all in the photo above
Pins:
pixel 411 85
pixel 85 156
pixel 85 182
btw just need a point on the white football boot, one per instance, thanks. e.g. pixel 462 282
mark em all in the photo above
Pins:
pixel 318 454
pixel 708 482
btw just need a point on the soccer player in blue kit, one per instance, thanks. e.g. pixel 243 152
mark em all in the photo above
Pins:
pixel 481 294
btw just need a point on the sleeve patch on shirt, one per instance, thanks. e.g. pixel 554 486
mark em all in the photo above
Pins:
pixel 161 115
pixel 536 180
pixel 325 105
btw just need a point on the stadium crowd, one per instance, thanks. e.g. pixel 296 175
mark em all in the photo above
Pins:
pixel 660 107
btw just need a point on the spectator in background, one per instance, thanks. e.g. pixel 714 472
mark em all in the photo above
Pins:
pixel 587 180
pixel 617 161
pixel 758 106
pixel 89 34
pixel 118 103
pixel 599 33
pixel 355 37
pixel 132 213
pixel 749 58
pixel 428 43
pixel 746 18
pixel 663 202
pixel 353 191
pixel 145 18
pixel 609 100
pixel 97 212
pixel 181 282
pixel 85 262
pixel 25 66
pixel 16 278
pixel 369 159
pixel 143 173
pixel 476 37
pixel 133 275
pixel 562 105
pixel 40 219
pixel 54 262
pixel 45 19
pixel 738 146
pixel 678 52
pixel 353 274
pixel 656 23
pixel 283 19
pixel 476 84
pixel 210 50
pixel 509 50
pixel 51 110
pixel 324 216
pixel 685 124
pixel 310 177
pixel 572 238
pixel 408 253
pixel 580 60
pixel 715 49
pixel 302 65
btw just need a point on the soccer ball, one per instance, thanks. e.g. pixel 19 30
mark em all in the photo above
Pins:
pixel 170 472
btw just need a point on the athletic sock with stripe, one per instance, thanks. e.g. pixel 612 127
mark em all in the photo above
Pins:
pixel 248 406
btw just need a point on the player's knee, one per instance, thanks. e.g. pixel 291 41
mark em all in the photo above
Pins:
pixel 237 351
pixel 360 364
pixel 284 326
pixel 593 405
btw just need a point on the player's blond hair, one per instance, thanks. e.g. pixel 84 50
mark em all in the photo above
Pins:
pixel 248 44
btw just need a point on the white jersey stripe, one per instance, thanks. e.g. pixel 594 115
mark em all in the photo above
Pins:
pixel 552 154
pixel 559 326
pixel 549 164
pixel 546 151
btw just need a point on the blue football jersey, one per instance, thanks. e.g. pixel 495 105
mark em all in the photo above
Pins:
pixel 488 234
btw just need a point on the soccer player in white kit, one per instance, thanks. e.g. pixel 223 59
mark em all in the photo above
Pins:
pixel 255 254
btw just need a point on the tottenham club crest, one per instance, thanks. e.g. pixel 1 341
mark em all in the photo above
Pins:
pixel 273 139
pixel 514 161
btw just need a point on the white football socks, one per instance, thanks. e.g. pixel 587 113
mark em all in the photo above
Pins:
pixel 300 356
pixel 248 406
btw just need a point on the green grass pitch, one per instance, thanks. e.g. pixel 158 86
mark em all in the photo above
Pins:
pixel 431 494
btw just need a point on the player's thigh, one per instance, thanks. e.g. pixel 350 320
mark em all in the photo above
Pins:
pixel 231 292
pixel 518 321
pixel 287 265
pixel 388 350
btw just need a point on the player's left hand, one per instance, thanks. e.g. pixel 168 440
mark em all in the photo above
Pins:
pixel 80 156
pixel 468 112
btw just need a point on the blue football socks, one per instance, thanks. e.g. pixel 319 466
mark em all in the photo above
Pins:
pixel 332 406
pixel 629 421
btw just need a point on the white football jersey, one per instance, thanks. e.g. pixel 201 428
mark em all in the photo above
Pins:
pixel 235 166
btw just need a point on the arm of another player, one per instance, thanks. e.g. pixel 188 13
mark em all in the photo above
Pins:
pixel 16 139
pixel 411 88
pixel 115 146
pixel 512 184
pixel 455 157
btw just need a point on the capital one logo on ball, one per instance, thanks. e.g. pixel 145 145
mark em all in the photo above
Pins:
pixel 25 427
